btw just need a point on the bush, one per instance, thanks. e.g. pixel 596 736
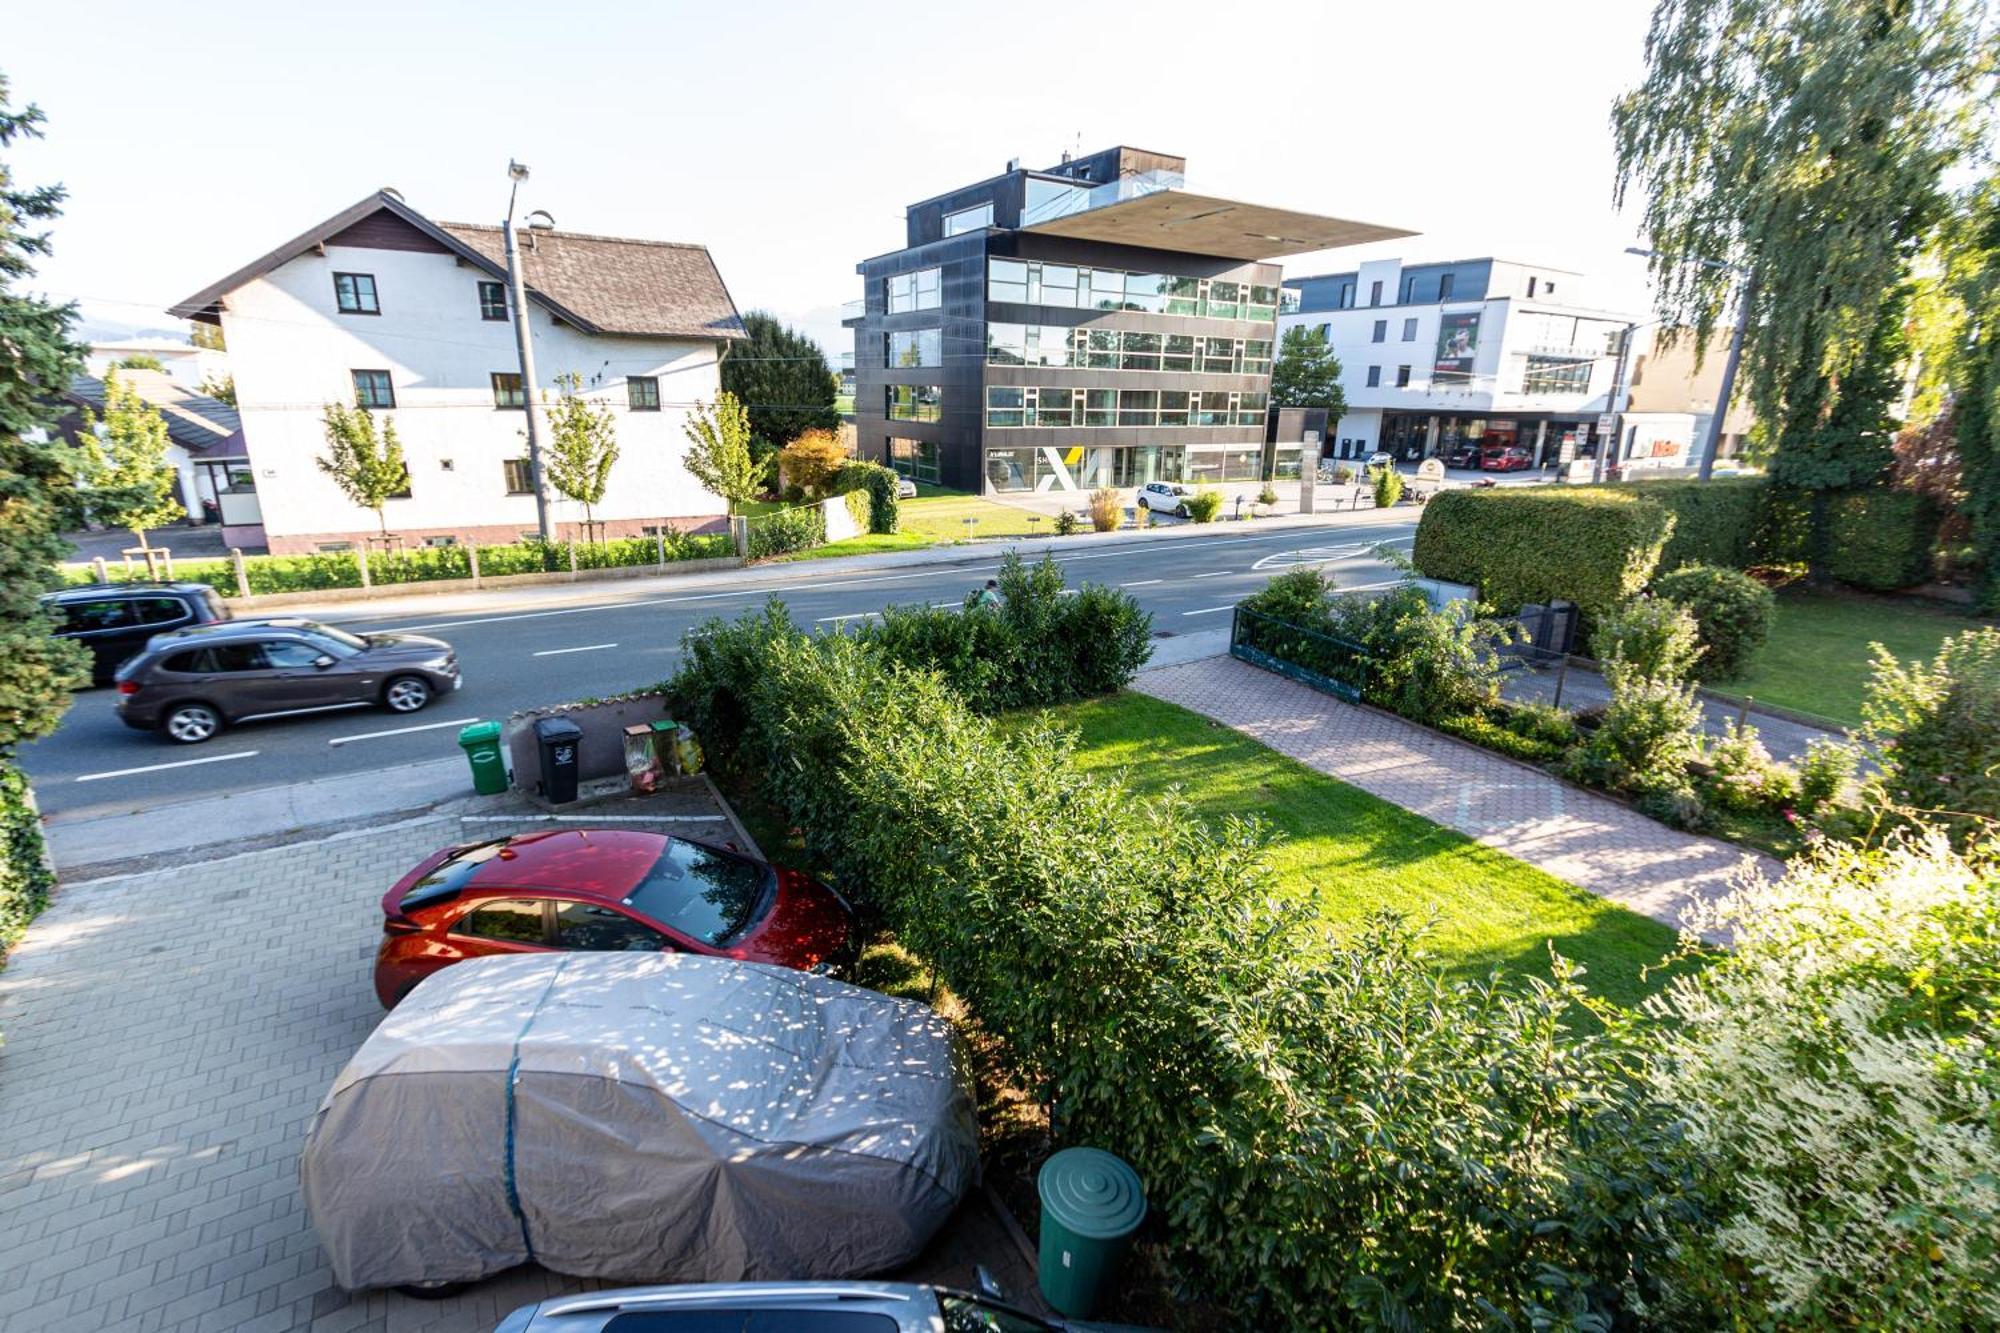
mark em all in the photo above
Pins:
pixel 1329 1130
pixel 811 461
pixel 1677 806
pixel 1882 539
pixel 1648 637
pixel 421 564
pixel 1482 730
pixel 797 529
pixel 1732 615
pixel 25 881
pixel 1204 505
pixel 1521 544
pixel 1715 522
pixel 1037 647
pixel 1342 475
pixel 1936 730
pixel 1648 736
pixel 1066 524
pixel 1836 1074
pixel 860 509
pixel 1107 511
pixel 1743 777
pixel 1268 496
pixel 1542 722
pixel 1825 772
pixel 1299 596
pixel 880 482
pixel 1388 487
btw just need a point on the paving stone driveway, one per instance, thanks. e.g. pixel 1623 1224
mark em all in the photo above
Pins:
pixel 168 1037
pixel 1593 843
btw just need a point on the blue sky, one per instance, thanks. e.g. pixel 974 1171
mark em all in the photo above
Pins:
pixel 788 137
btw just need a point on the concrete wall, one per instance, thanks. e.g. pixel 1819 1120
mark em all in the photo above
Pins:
pixel 292 353
pixel 602 753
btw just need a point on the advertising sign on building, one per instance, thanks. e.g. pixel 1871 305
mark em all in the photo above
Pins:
pixel 1458 344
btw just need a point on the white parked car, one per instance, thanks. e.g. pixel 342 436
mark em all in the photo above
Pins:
pixel 905 489
pixel 1381 459
pixel 1164 497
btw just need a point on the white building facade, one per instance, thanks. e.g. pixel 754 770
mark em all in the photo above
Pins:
pixel 1465 359
pixel 383 309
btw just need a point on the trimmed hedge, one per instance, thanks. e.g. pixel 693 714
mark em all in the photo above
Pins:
pixel 25 881
pixel 1715 522
pixel 799 528
pixel 880 483
pixel 861 509
pixel 1520 544
pixel 1881 540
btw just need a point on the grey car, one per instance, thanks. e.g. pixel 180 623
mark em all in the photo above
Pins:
pixel 190 684
pixel 782 1307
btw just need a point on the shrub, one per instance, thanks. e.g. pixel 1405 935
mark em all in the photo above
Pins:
pixel 1676 806
pixel 1521 544
pixel 1482 730
pixel 1268 496
pixel 880 482
pixel 1743 777
pixel 1715 522
pixel 1542 722
pixel 1066 523
pixel 1648 637
pixel 1107 511
pixel 1342 475
pixel 1936 729
pixel 797 529
pixel 1423 663
pixel 1835 1071
pixel 1298 596
pixel 811 461
pixel 419 565
pixel 1881 539
pixel 860 509
pixel 1647 738
pixel 1330 1130
pixel 1204 505
pixel 1732 615
pixel 1388 487
pixel 25 881
pixel 1825 772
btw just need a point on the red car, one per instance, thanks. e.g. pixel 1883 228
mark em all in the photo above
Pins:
pixel 604 889
pixel 1505 458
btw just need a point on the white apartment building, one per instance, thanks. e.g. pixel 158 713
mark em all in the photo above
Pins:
pixel 382 308
pixel 184 363
pixel 1456 359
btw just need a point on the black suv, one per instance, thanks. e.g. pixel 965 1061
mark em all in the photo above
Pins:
pixel 114 620
pixel 190 684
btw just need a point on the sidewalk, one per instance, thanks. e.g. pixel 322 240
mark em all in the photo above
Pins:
pixel 1784 737
pixel 1589 841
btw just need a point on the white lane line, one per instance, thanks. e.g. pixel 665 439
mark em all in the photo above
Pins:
pixel 1141 583
pixel 403 731
pixel 1216 574
pixel 835 620
pixel 154 768
pixel 1208 610
pixel 946 606
pixel 587 648
pixel 1370 587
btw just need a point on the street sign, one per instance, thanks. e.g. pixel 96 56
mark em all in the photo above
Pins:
pixel 1607 423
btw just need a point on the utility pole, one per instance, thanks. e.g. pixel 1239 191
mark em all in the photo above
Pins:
pixel 1607 450
pixel 517 296
pixel 1745 297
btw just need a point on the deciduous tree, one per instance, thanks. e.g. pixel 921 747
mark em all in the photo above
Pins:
pixel 1307 373
pixel 810 461
pixel 126 478
pixel 782 379
pixel 719 456
pixel 583 444
pixel 366 463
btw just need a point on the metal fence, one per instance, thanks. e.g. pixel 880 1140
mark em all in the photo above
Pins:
pixel 1338 666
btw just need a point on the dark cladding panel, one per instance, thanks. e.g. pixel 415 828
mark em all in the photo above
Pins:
pixel 383 230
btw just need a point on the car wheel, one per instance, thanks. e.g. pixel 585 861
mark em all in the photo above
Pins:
pixel 191 724
pixel 1181 511
pixel 406 694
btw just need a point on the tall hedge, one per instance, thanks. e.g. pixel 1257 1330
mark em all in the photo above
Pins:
pixel 1881 540
pixel 880 482
pixel 1715 522
pixel 1520 544
pixel 25 880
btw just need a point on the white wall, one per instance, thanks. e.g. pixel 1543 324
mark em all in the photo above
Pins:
pixel 292 353
pixel 184 363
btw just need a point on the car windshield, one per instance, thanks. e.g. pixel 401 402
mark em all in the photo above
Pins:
pixel 450 875
pixel 705 894
pixel 340 637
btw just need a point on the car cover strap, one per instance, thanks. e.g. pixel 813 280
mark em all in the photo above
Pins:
pixel 513 1074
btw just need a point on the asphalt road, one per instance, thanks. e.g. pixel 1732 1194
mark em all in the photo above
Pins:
pixel 525 647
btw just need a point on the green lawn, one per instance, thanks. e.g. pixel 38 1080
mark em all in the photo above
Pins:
pixel 940 515
pixel 1355 853
pixel 1817 658
pixel 868 544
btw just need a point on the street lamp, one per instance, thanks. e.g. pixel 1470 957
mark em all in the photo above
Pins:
pixel 1746 296
pixel 517 296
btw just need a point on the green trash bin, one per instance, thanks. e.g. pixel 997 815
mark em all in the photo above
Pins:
pixel 1091 1204
pixel 481 743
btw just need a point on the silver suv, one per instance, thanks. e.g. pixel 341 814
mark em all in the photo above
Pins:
pixel 190 684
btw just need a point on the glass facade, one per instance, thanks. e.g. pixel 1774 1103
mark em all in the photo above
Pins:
pixel 914 402
pixel 913 291
pixel 1064 345
pixel 915 459
pixel 968 219
pixel 1550 374
pixel 1083 467
pixel 916 347
pixel 1011 405
pixel 1028 282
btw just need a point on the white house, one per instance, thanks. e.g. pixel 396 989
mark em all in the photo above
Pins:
pixel 205 442
pixel 186 364
pixel 380 307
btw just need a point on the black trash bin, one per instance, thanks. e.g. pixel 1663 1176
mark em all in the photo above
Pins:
pixel 557 741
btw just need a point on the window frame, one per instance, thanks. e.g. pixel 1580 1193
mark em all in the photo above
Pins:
pixel 508 476
pixel 340 306
pixel 463 919
pixel 948 229
pixel 1380 332
pixel 360 399
pixel 496 376
pixel 486 307
pixel 638 389
pixel 1374 377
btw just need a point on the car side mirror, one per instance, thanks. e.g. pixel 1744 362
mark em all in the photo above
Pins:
pixel 732 846
pixel 322 661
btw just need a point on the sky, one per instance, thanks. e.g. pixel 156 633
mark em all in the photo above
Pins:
pixel 788 137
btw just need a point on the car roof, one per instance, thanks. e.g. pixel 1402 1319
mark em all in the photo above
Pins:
pixel 591 863
pixel 909 1305
pixel 228 630
pixel 94 591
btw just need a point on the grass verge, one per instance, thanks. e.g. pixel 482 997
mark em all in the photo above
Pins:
pixel 1817 658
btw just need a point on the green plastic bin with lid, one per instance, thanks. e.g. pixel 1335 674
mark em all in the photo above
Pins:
pixel 481 743
pixel 1091 1204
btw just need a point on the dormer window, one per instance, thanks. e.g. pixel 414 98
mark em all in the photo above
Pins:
pixel 354 294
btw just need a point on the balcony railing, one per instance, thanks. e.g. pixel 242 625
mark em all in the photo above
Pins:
pixel 1070 202
pixel 854 309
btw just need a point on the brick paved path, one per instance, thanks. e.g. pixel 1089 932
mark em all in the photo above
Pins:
pixel 1594 843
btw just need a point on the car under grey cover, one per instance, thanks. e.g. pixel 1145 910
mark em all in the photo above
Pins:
pixel 657 1117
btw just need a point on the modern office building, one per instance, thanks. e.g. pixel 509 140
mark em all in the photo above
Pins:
pixel 1093 324
pixel 1483 352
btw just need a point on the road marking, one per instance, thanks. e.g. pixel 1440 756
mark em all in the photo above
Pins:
pixel 154 768
pixel 403 731
pixel 1141 583
pixel 1209 610
pixel 587 648
pixel 1370 587
pixel 835 620
pixel 1216 574
pixel 946 606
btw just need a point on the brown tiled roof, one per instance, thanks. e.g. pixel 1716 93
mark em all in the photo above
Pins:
pixel 657 288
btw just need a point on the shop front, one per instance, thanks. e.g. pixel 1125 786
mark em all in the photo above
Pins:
pixel 1547 440
pixel 1081 467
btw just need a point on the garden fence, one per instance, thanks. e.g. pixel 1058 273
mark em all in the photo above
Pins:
pixel 1338 666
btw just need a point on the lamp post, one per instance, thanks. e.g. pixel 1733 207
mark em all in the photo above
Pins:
pixel 1746 296
pixel 517 296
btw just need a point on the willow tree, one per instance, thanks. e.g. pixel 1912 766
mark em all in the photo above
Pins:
pixel 1805 142
pixel 1976 386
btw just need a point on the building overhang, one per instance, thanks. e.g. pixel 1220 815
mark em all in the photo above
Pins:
pixel 1206 224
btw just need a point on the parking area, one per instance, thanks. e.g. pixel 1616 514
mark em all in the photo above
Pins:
pixel 168 1036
